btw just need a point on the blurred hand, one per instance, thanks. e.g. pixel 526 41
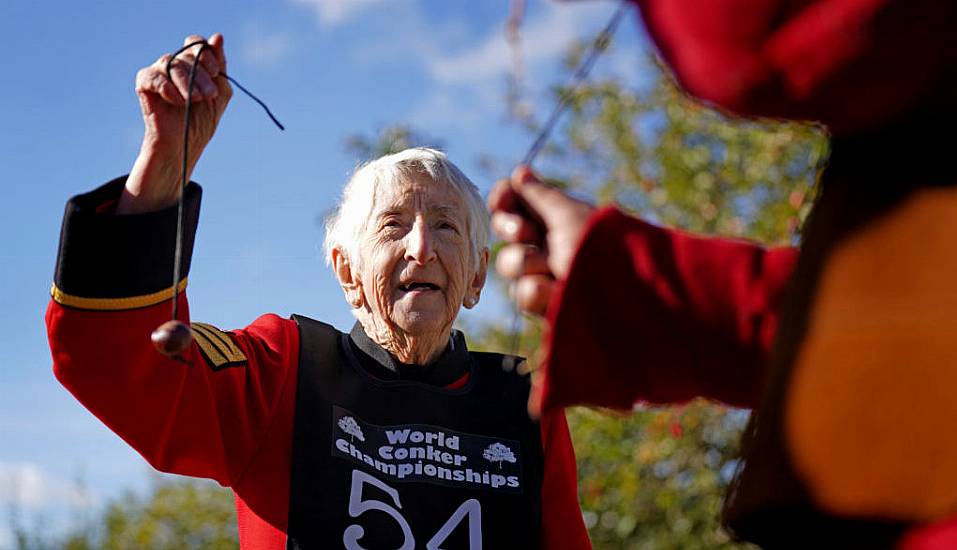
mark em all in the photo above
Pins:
pixel 154 182
pixel 542 227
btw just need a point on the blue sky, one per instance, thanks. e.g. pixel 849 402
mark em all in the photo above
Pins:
pixel 328 69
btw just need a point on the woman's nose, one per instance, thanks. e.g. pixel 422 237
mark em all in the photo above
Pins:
pixel 418 246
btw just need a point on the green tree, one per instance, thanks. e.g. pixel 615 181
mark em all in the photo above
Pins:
pixel 389 139
pixel 177 513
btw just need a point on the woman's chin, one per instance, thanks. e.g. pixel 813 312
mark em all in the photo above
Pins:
pixel 422 322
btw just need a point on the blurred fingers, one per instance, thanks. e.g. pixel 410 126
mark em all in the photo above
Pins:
pixel 517 260
pixel 515 228
pixel 542 198
pixel 502 197
pixel 532 293
pixel 535 397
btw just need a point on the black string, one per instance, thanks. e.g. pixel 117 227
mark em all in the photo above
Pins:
pixel 598 45
pixel 178 252
pixel 256 99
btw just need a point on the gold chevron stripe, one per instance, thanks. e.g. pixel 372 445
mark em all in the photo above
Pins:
pixel 217 347
pixel 114 304
pixel 221 340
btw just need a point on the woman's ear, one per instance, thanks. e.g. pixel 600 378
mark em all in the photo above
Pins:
pixel 348 278
pixel 474 292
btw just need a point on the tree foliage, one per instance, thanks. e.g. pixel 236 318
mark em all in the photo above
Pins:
pixel 672 160
pixel 389 139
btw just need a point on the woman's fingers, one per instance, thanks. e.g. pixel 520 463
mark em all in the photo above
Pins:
pixel 152 80
pixel 208 59
pixel 204 87
pixel 173 84
pixel 517 260
pixel 219 50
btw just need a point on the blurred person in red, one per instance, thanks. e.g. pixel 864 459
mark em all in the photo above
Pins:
pixel 845 348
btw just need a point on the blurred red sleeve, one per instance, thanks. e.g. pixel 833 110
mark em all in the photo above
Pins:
pixel 649 314
pixel 823 60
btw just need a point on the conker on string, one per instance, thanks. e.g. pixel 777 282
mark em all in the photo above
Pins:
pixel 172 338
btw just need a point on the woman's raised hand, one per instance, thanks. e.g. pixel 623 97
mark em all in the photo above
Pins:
pixel 155 180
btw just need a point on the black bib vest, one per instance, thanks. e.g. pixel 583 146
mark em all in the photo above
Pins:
pixel 381 464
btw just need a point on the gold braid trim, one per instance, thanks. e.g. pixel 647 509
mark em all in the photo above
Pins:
pixel 114 304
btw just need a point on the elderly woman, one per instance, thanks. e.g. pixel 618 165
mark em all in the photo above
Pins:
pixel 391 436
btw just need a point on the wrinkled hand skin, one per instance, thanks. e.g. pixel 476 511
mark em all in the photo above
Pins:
pixel 155 179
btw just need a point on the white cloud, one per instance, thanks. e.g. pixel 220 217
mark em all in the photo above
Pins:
pixel 28 486
pixel 469 79
pixel 404 35
pixel 332 13
pixel 263 49
pixel 450 52
pixel 543 39
pixel 465 65
pixel 455 109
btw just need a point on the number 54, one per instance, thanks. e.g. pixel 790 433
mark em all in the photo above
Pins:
pixel 350 537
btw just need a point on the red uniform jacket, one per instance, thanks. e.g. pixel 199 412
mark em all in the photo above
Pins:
pixel 662 316
pixel 233 422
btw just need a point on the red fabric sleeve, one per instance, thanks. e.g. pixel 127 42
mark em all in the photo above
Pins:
pixel 183 418
pixel 825 60
pixel 941 535
pixel 649 314
pixel 562 523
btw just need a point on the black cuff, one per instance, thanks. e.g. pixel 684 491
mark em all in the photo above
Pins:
pixel 109 261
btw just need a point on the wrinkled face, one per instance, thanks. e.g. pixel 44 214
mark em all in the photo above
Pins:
pixel 415 267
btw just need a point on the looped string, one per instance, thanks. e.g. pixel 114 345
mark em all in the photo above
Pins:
pixel 178 253
pixel 203 45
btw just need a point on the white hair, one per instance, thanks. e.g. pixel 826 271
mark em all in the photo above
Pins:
pixel 345 226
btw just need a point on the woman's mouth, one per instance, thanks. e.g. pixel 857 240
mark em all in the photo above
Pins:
pixel 418 287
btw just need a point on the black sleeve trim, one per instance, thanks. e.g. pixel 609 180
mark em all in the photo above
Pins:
pixel 121 260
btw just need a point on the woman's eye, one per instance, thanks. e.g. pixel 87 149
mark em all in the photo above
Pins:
pixel 448 225
pixel 391 224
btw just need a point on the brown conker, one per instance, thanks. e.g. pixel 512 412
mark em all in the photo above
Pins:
pixel 172 338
